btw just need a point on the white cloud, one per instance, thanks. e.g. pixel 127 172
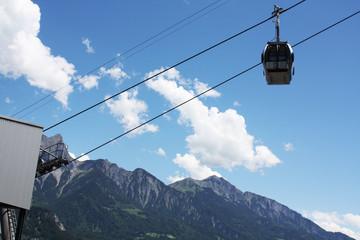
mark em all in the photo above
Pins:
pixel 83 158
pixel 8 100
pixel 196 169
pixel 202 87
pixel 167 117
pixel 72 155
pixel 161 152
pixel 289 147
pixel 130 111
pixel 237 104
pixel 353 220
pixel 89 48
pixel 89 81
pixel 115 73
pixel 220 139
pixel 175 178
pixel 348 224
pixel 23 54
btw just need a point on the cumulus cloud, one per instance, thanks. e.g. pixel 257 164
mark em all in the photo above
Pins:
pixel 130 111
pixel 193 86
pixel 115 73
pixel 289 147
pixel 219 139
pixel 23 54
pixel 353 220
pixel 89 48
pixel 167 117
pixel 82 157
pixel 196 169
pixel 161 152
pixel 175 178
pixel 202 87
pixel 89 81
pixel 348 224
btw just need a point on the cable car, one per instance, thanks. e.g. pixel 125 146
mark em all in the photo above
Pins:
pixel 277 58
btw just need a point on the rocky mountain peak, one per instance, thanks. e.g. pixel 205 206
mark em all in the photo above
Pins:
pixel 213 203
pixel 48 141
pixel 186 185
pixel 218 184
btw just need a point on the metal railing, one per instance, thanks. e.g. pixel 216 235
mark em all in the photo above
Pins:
pixel 52 158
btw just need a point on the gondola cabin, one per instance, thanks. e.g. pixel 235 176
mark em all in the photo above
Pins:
pixel 277 59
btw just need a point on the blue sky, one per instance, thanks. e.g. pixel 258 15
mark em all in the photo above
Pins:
pixel 297 144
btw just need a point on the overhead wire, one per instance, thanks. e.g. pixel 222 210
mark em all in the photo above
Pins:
pixel 169 68
pixel 325 29
pixel 162 114
pixel 124 53
pixel 206 91
pixel 150 44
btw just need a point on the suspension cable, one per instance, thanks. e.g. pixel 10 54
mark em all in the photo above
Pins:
pixel 122 54
pixel 141 49
pixel 204 92
pixel 167 69
pixel 325 29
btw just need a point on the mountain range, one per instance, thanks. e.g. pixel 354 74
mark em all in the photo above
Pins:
pixel 96 199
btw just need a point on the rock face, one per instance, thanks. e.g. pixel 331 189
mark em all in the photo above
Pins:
pixel 49 141
pixel 99 200
pixel 263 207
pixel 212 205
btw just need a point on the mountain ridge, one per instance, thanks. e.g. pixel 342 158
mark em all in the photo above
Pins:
pixel 263 206
pixel 96 199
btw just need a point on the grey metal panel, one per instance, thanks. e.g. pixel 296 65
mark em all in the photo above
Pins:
pixel 19 150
